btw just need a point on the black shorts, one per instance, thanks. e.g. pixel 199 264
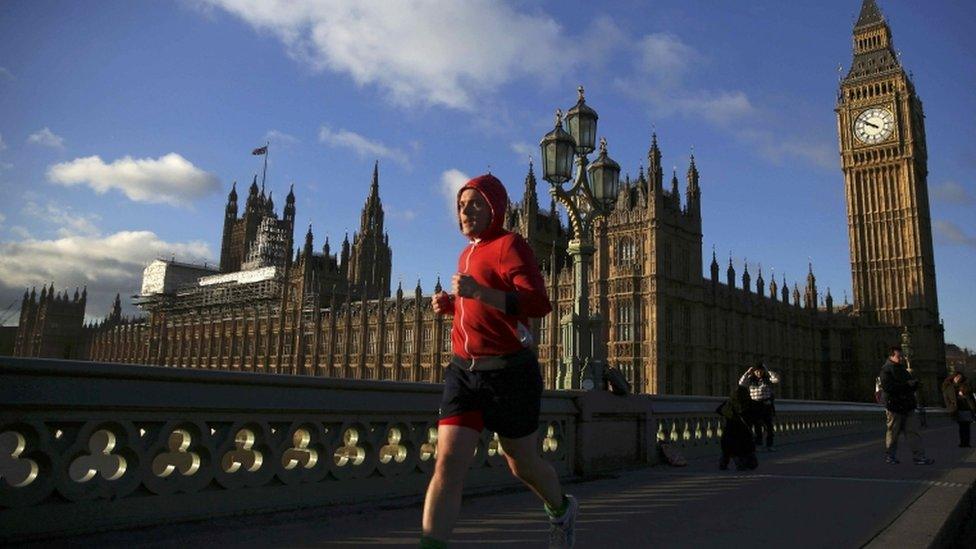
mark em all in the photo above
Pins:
pixel 505 401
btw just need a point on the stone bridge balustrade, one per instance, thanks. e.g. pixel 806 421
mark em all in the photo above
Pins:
pixel 691 424
pixel 108 446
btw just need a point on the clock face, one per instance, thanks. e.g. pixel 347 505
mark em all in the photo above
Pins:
pixel 874 125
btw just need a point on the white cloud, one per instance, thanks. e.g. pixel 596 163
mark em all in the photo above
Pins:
pixel 953 192
pixel 2 144
pixel 67 221
pixel 169 179
pixel 403 215
pixel 665 56
pixel 953 233
pixel 19 232
pixel 662 64
pixel 2 218
pixel 717 107
pixel 525 151
pixel 361 145
pixel 451 182
pixel 779 149
pixel 281 138
pixel 106 264
pixel 419 53
pixel 45 137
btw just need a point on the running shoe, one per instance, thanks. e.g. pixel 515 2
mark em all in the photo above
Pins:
pixel 562 531
pixel 892 460
pixel 923 461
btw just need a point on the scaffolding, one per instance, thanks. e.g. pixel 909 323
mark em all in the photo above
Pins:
pixel 213 295
pixel 270 247
pixel 164 276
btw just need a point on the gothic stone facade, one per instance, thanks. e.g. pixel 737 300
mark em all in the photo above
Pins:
pixel 671 329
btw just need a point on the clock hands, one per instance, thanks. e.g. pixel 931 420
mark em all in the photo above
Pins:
pixel 872 125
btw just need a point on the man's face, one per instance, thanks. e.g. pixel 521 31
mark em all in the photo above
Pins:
pixel 896 357
pixel 473 212
pixel 757 372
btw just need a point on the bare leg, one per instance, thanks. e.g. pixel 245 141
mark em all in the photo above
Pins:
pixel 529 467
pixel 455 450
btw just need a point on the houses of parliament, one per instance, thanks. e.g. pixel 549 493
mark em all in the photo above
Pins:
pixel 670 329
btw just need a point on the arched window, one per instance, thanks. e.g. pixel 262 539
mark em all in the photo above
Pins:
pixel 625 322
pixel 626 251
pixel 408 340
pixel 371 342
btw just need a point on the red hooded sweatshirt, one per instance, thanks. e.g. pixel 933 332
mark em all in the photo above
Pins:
pixel 501 260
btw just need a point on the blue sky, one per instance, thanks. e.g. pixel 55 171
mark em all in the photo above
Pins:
pixel 123 124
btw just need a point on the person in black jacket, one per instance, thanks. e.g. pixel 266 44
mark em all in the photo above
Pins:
pixel 958 396
pixel 899 386
pixel 736 441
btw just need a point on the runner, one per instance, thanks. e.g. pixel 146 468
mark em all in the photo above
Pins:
pixel 493 380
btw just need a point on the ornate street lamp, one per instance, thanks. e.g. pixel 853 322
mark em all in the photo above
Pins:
pixel 906 347
pixel 589 198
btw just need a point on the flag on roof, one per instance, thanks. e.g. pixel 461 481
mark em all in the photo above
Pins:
pixel 260 150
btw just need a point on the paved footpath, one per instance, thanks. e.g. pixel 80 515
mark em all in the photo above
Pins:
pixel 836 492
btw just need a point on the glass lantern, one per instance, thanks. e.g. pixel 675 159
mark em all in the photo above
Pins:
pixel 558 150
pixel 604 176
pixel 582 124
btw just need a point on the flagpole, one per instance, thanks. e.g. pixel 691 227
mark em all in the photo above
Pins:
pixel 267 151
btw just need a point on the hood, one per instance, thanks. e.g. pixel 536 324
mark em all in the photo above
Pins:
pixel 494 193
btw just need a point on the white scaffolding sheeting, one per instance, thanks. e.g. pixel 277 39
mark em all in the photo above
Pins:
pixel 165 277
pixel 240 277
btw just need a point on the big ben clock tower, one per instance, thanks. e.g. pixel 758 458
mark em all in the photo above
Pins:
pixel 882 141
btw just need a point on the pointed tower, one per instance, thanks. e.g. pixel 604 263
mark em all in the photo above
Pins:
pixel 714 269
pixel 344 257
pixel 746 279
pixel 675 195
pixel 529 210
pixel 655 174
pixel 881 126
pixel 730 274
pixel 760 283
pixel 115 316
pixel 693 191
pixel 810 292
pixel 885 163
pixel 230 218
pixel 370 259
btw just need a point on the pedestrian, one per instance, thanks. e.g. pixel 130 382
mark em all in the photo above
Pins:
pixel 736 441
pixel 759 380
pixel 899 386
pixel 493 380
pixel 958 396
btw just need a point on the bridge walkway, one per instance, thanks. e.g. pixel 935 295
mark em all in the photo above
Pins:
pixel 835 492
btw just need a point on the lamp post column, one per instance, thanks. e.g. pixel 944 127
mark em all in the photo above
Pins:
pixel 577 338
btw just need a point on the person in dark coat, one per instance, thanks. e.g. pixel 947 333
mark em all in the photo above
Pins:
pixel 958 396
pixel 737 441
pixel 899 386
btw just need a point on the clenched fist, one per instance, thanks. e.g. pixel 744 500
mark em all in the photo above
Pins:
pixel 441 302
pixel 464 286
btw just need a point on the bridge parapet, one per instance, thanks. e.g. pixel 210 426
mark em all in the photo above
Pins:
pixel 88 446
pixel 692 424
